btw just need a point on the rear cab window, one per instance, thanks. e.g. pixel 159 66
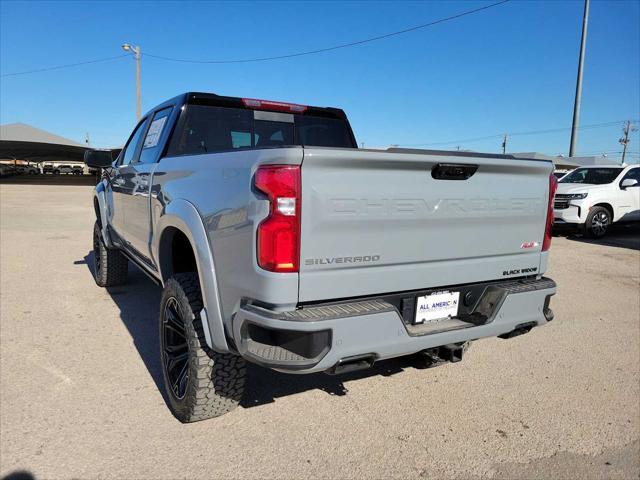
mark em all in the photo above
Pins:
pixel 207 128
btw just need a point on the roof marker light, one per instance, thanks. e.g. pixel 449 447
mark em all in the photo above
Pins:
pixel 275 106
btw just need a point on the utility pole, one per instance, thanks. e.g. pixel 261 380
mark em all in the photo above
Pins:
pixel 136 54
pixel 627 129
pixel 504 144
pixel 576 105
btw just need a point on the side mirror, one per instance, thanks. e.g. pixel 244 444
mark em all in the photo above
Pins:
pixel 98 158
pixel 629 182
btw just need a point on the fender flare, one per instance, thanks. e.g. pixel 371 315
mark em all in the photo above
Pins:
pixel 100 195
pixel 184 216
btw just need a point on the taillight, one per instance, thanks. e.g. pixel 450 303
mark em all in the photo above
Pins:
pixel 279 233
pixel 553 185
pixel 271 105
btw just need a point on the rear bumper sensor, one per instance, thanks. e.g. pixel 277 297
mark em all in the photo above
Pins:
pixel 348 336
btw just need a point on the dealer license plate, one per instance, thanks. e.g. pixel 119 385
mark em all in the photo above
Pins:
pixel 437 307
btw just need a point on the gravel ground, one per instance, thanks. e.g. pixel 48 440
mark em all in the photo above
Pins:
pixel 80 379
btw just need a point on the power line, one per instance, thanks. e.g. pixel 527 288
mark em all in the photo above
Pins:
pixel 264 59
pixel 58 67
pixel 584 127
pixel 607 153
pixel 465 140
pixel 336 47
pixel 530 132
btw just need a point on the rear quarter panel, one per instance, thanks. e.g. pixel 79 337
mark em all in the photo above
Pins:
pixel 219 185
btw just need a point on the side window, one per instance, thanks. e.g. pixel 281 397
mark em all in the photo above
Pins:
pixel 130 149
pixel 634 174
pixel 152 143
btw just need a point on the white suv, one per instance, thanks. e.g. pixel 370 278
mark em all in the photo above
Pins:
pixel 594 197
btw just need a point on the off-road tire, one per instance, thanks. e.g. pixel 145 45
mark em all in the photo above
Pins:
pixel 110 267
pixel 598 222
pixel 214 382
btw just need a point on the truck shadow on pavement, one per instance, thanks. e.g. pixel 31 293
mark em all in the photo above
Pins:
pixel 619 235
pixel 19 475
pixel 139 302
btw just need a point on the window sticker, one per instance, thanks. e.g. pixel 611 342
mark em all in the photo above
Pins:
pixel 153 136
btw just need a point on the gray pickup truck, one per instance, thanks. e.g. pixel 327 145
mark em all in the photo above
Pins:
pixel 277 241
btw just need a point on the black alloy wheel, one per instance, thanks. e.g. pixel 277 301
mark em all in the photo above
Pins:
pixel 175 349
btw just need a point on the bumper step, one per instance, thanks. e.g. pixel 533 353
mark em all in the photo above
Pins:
pixel 273 353
pixel 329 312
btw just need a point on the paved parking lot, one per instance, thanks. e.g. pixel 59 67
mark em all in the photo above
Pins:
pixel 80 379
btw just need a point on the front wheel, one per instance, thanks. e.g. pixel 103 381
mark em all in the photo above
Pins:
pixel 110 267
pixel 200 383
pixel 598 222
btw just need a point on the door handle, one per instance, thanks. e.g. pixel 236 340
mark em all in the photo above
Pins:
pixel 453 171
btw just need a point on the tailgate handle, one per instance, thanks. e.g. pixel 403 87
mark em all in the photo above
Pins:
pixel 453 171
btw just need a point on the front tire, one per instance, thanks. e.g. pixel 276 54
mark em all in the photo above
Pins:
pixel 199 382
pixel 598 222
pixel 110 267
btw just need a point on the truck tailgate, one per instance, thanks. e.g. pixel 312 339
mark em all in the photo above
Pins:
pixel 377 222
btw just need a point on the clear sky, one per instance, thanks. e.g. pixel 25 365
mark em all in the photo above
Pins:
pixel 511 68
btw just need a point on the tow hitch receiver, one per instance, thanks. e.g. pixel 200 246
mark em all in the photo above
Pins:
pixel 451 353
pixel 432 357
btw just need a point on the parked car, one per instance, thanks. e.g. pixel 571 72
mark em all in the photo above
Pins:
pixel 560 173
pixel 6 170
pixel 22 169
pixel 78 170
pixel 277 241
pixel 593 198
pixel 66 169
pixel 47 168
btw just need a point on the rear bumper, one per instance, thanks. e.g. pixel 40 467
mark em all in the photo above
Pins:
pixel 317 339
